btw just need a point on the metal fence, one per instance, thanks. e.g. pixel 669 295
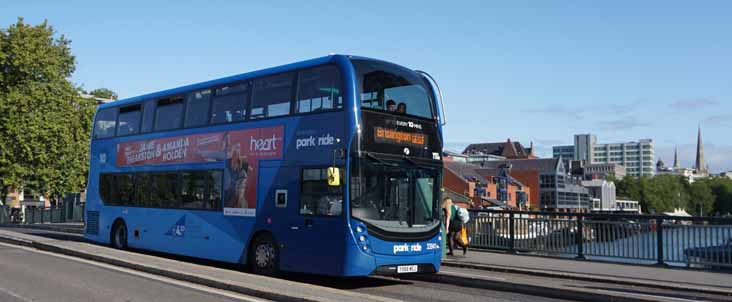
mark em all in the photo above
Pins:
pixel 4 215
pixel 54 215
pixel 704 242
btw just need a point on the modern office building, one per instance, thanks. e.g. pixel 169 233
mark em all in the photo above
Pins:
pixel 602 171
pixel 638 157
pixel 566 153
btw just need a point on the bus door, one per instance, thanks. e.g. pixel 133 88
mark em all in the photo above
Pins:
pixel 318 230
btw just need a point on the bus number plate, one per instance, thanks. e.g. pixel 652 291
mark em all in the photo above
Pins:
pixel 403 269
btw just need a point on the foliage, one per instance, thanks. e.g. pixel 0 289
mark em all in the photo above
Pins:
pixel 701 198
pixel 711 196
pixel 104 93
pixel 721 188
pixel 44 124
pixel 666 193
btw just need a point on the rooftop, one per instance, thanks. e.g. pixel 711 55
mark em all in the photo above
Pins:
pixel 506 149
pixel 544 165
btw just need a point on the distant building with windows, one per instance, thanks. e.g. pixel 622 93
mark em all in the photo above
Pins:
pixel 601 191
pixel 476 187
pixel 557 191
pixel 630 206
pixel 602 171
pixel 638 157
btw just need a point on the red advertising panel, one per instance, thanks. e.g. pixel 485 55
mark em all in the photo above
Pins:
pixel 241 151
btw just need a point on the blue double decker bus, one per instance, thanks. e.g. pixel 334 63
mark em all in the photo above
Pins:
pixel 327 166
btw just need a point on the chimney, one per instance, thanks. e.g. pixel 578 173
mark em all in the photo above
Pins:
pixel 531 149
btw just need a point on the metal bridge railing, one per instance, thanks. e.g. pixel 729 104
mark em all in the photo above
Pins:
pixel 54 215
pixel 682 241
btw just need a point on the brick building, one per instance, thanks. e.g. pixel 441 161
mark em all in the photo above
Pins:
pixel 485 187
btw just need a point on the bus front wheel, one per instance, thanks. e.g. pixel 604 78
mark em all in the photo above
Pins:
pixel 119 235
pixel 264 256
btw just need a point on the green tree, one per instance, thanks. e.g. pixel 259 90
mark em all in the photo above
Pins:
pixel 701 198
pixel 665 193
pixel 44 124
pixel 104 93
pixel 721 188
pixel 629 188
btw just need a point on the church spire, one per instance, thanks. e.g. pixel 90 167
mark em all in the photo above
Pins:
pixel 700 165
pixel 676 159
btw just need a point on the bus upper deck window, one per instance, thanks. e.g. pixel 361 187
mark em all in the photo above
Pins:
pixel 384 83
pixel 169 114
pixel 106 123
pixel 230 103
pixel 272 96
pixel 319 89
pixel 129 121
pixel 197 106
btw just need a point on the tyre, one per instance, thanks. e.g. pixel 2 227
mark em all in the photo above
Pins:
pixel 119 235
pixel 264 256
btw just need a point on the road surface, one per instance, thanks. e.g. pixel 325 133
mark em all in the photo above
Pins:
pixel 43 276
pixel 32 275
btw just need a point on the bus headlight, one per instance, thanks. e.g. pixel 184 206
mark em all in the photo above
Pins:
pixel 362 238
pixel 365 248
pixel 359 229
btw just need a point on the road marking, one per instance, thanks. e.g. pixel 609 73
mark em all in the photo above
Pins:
pixel 166 280
pixel 14 295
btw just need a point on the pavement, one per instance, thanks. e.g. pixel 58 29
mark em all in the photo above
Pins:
pixel 628 274
pixel 70 227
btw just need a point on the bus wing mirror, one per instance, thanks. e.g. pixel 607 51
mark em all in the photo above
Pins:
pixel 334 176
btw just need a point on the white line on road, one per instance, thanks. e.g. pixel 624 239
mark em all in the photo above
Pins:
pixel 14 295
pixel 202 288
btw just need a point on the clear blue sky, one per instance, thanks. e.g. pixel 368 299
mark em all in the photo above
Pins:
pixel 532 71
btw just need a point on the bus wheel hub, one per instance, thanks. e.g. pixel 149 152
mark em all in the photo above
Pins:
pixel 264 255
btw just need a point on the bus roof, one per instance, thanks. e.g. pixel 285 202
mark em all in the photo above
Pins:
pixel 224 80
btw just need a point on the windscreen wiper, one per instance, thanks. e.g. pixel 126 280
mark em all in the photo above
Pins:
pixel 381 162
pixel 411 161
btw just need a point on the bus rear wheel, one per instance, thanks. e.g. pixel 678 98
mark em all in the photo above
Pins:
pixel 119 235
pixel 264 256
